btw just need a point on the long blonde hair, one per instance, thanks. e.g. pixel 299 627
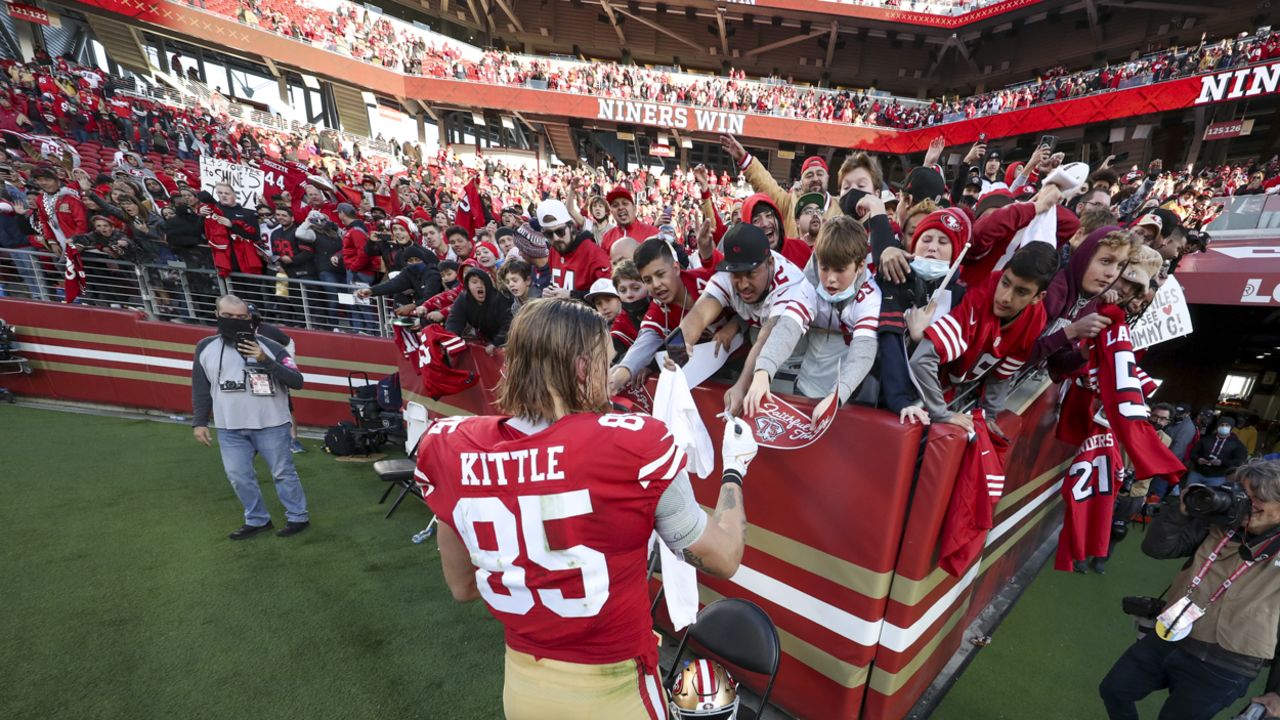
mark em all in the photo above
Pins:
pixel 546 340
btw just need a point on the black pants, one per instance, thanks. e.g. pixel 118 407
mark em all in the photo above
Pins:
pixel 1197 690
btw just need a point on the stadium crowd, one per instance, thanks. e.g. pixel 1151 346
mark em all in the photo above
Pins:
pixel 361 34
pixel 848 289
pixel 427 234
pixel 424 235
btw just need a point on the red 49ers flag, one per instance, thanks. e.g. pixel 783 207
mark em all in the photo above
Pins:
pixel 470 215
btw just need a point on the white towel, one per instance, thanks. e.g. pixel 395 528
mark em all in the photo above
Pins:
pixel 1042 228
pixel 673 404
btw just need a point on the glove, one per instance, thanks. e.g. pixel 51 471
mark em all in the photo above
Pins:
pixel 738 449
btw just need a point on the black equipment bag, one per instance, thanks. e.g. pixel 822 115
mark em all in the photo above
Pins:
pixel 341 440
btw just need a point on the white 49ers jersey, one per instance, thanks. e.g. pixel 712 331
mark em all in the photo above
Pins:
pixel 789 294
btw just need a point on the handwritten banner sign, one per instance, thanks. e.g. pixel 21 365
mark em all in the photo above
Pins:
pixel 1167 317
pixel 247 181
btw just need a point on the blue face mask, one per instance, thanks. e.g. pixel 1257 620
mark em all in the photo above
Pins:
pixel 1224 430
pixel 840 296
pixel 929 269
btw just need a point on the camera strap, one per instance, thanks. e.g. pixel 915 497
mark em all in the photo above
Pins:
pixel 1213 557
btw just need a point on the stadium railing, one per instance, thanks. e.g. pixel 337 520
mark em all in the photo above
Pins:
pixel 175 292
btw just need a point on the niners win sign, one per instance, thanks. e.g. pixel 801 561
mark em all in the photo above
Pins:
pixel 670 116
pixel 1242 83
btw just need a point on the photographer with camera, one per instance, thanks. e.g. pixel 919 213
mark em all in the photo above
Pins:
pixel 243 379
pixel 1212 636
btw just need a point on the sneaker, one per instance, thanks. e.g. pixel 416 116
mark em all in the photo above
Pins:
pixel 295 447
pixel 1080 567
pixel 293 528
pixel 247 530
pixel 1099 565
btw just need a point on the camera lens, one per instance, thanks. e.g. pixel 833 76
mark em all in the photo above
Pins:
pixel 1202 500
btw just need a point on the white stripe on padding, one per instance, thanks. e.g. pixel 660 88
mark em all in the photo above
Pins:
pixel 841 622
pixel 148 360
pixel 899 639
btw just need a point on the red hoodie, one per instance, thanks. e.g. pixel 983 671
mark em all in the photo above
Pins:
pixel 793 249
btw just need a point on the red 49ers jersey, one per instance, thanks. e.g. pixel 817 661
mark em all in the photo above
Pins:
pixel 557 524
pixel 1088 496
pixel 577 270
pixel 971 341
pixel 664 318
pixel 280 176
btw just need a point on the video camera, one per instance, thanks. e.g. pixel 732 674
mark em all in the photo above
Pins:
pixel 1226 506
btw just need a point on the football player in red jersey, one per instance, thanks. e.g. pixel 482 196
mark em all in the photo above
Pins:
pixel 546 513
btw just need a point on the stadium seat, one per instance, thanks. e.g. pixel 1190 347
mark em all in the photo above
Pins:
pixel 396 473
pixel 740 633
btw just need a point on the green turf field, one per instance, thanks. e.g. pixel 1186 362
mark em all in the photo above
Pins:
pixel 122 598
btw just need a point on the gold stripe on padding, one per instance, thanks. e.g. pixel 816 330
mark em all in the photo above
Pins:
pixel 436 405
pixel 120 373
pixel 910 592
pixel 188 348
pixel 132 342
pixel 887 683
pixel 309 362
pixel 829 666
pixel 143 376
pixel 866 582
pixel 1029 397
pixel 1036 485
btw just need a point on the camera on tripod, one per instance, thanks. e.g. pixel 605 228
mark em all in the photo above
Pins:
pixel 1224 506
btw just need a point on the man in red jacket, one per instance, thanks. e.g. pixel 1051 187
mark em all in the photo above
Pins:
pixel 62 214
pixel 359 256
pixel 623 206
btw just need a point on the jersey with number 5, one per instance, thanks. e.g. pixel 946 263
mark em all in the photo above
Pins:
pixel 557 524
pixel 1120 388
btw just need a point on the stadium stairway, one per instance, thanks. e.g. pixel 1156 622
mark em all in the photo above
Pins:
pixel 561 137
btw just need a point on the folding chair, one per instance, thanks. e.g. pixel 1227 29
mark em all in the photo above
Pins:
pixel 397 473
pixel 740 633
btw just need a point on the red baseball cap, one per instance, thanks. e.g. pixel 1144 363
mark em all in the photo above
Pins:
pixel 813 161
pixel 619 192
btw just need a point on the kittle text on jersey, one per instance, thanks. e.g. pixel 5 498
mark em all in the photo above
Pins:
pixel 514 467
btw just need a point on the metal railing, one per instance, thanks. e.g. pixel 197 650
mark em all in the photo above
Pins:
pixel 177 292
pixel 201 94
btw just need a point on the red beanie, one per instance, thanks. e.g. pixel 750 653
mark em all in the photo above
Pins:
pixel 813 161
pixel 952 222
pixel 405 223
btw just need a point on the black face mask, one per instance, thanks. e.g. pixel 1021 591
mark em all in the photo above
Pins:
pixel 636 307
pixel 228 328
pixel 849 202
